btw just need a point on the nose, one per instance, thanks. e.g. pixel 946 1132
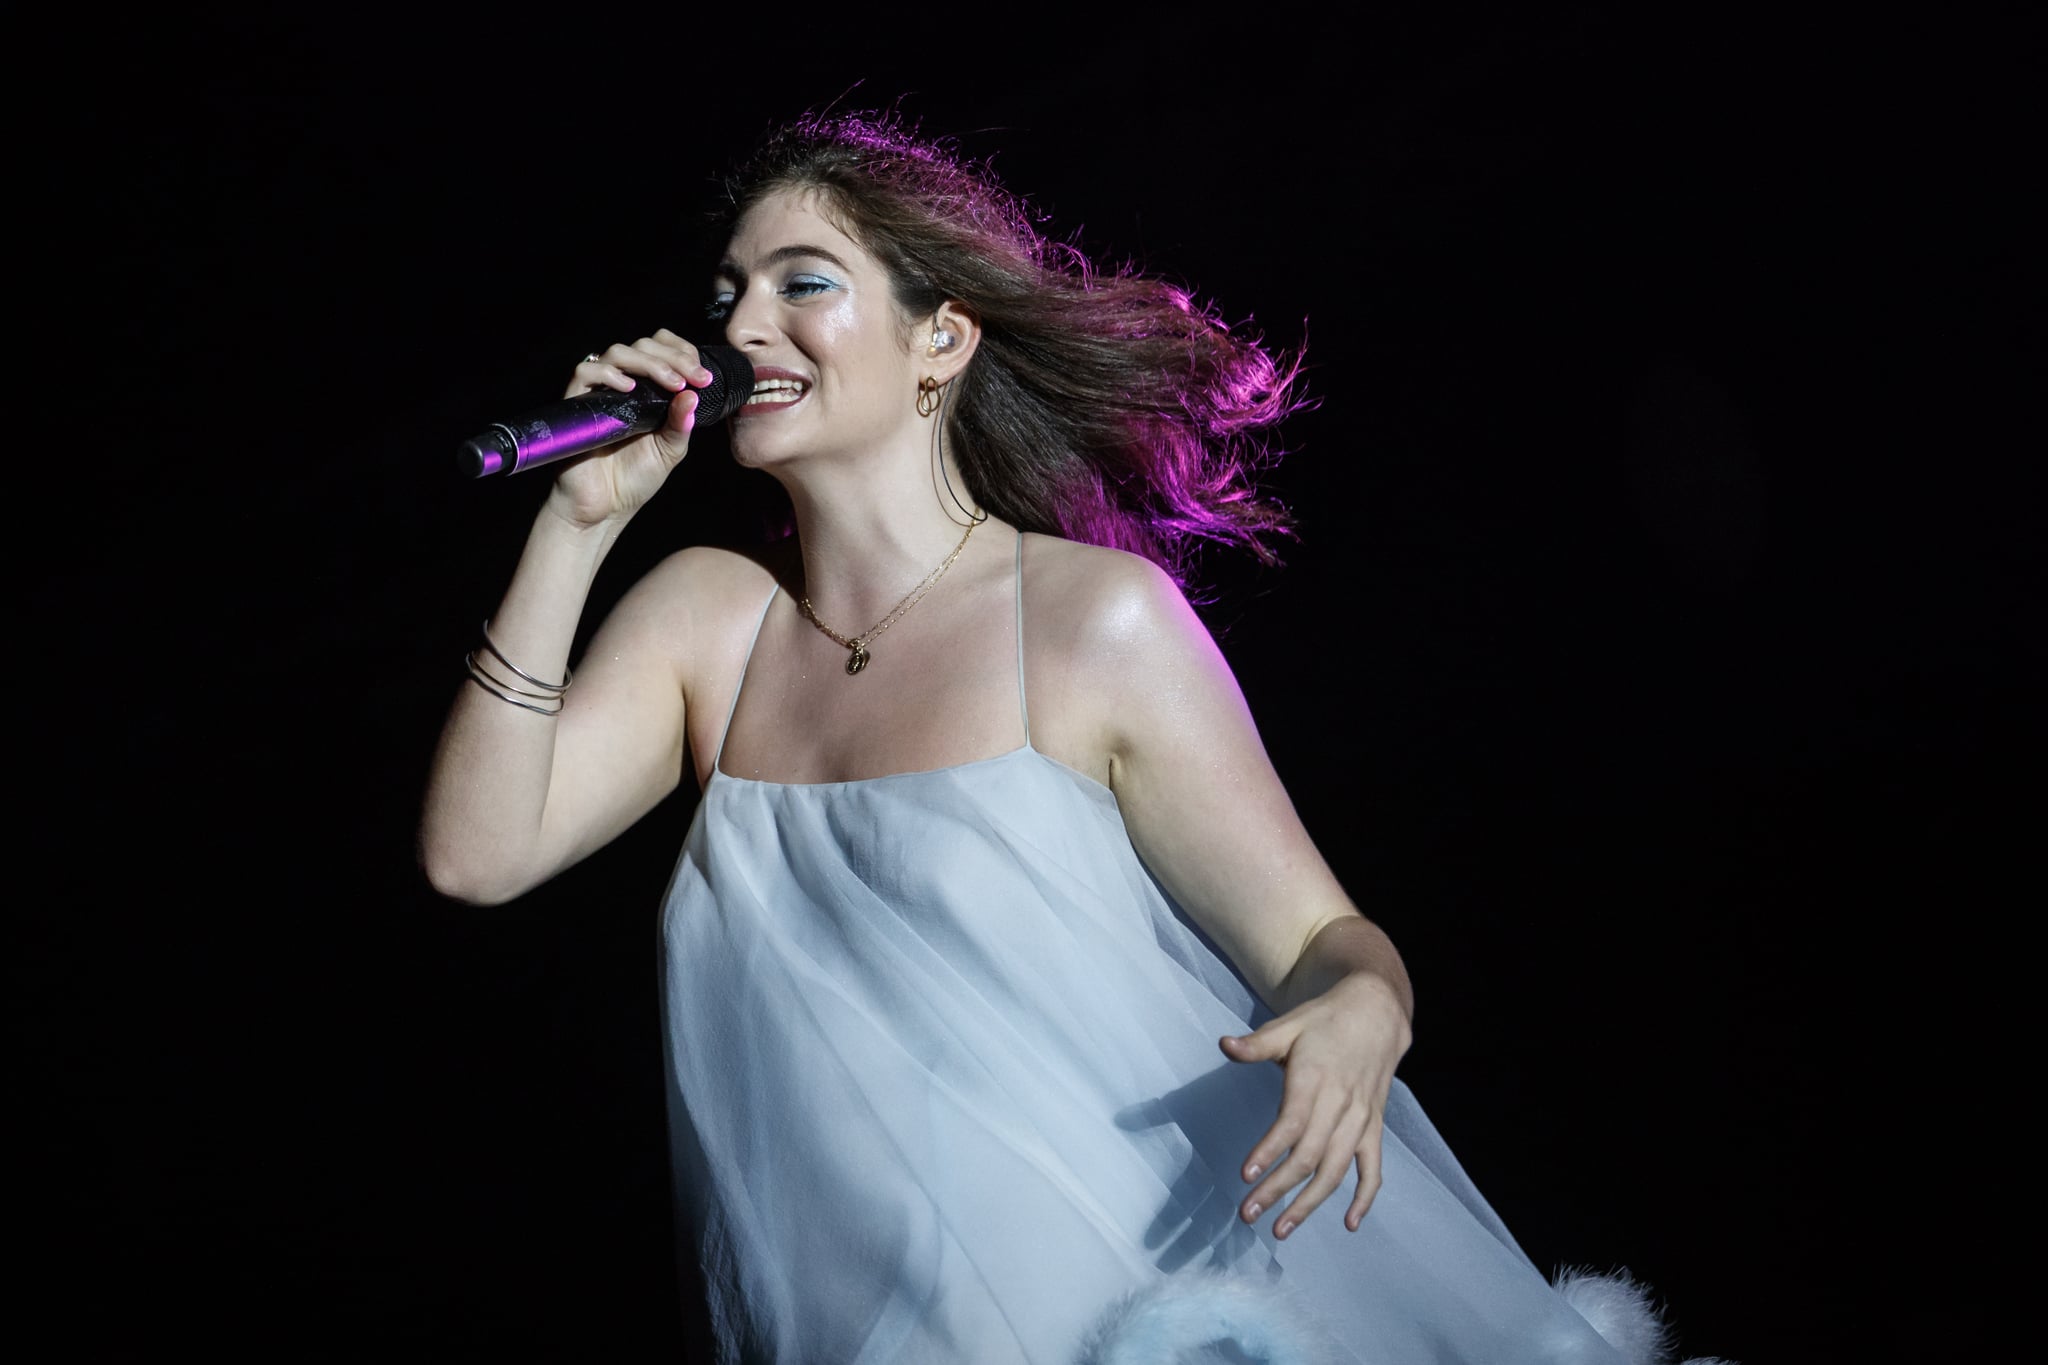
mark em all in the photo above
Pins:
pixel 750 325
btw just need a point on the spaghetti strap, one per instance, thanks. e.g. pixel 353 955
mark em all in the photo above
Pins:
pixel 1022 709
pixel 734 705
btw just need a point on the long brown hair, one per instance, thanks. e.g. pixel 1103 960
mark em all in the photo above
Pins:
pixel 1104 406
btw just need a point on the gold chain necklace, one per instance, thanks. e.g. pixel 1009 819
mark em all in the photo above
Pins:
pixel 858 659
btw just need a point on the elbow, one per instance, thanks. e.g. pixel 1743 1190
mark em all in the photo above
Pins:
pixel 466 892
pixel 461 880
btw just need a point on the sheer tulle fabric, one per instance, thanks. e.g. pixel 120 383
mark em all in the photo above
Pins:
pixel 944 1086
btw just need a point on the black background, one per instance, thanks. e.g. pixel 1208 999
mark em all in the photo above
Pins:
pixel 1654 663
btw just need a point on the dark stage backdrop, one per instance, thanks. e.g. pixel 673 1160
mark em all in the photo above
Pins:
pixel 1653 664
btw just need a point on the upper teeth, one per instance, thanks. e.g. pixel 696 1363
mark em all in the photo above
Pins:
pixel 778 390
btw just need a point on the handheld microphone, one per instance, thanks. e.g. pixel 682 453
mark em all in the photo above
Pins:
pixel 602 416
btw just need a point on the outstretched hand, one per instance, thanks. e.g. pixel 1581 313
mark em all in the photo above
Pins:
pixel 1339 1051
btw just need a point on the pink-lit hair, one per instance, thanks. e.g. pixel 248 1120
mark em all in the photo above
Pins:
pixel 1104 406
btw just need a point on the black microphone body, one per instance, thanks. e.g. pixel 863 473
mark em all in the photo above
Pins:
pixel 601 417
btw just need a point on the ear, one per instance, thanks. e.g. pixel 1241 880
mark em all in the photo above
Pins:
pixel 948 341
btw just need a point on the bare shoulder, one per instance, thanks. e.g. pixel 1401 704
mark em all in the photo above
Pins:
pixel 1109 638
pixel 1103 603
pixel 704 590
pixel 683 629
pixel 714 570
pixel 1092 579
pixel 692 615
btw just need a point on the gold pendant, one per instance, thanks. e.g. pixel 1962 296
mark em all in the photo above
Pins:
pixel 857 660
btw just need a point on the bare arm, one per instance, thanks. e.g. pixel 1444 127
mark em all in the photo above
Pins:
pixel 1206 809
pixel 513 796
pixel 1210 817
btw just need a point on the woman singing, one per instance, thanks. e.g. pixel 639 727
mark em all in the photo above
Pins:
pixel 1011 1013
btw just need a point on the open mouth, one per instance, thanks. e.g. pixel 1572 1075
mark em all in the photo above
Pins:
pixel 776 393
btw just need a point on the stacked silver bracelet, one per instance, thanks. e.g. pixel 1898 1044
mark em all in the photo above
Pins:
pixel 507 692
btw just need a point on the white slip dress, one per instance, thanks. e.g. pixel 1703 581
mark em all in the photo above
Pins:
pixel 944 1085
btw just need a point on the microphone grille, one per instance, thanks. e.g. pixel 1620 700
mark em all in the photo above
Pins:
pixel 731 384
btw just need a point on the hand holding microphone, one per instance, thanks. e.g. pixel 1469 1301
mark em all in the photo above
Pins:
pixel 660 388
pixel 605 414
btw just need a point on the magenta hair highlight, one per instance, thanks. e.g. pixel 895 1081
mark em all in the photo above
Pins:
pixel 1105 406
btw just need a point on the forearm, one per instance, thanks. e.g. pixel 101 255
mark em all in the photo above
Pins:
pixel 1354 950
pixel 488 787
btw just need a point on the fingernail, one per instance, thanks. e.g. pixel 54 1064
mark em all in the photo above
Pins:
pixel 1286 1225
pixel 1252 1172
pixel 1254 1211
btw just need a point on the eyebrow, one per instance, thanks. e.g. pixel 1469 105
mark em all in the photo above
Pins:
pixel 728 270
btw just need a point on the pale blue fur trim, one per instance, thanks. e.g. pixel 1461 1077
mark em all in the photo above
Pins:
pixel 1209 1320
pixel 1215 1319
pixel 1622 1310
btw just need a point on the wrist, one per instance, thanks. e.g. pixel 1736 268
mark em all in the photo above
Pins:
pixel 1374 992
pixel 1351 949
pixel 560 515
pixel 563 539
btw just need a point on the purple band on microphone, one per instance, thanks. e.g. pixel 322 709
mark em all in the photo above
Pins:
pixel 538 442
pixel 602 417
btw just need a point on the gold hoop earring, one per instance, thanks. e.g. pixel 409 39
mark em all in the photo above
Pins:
pixel 927 396
pixel 975 515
